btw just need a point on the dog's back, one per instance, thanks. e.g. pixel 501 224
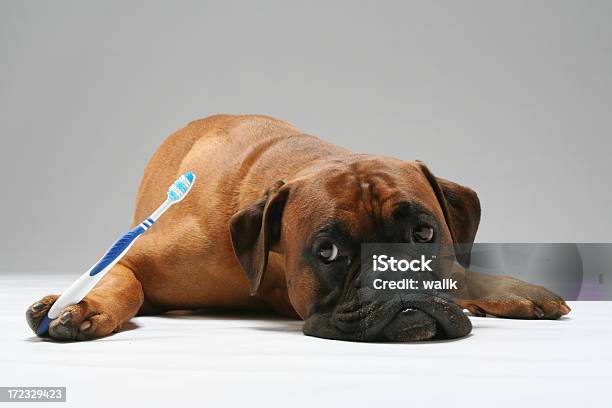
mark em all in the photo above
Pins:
pixel 209 140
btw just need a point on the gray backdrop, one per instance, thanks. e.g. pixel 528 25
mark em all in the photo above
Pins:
pixel 511 98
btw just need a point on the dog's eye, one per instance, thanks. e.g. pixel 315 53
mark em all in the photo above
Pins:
pixel 328 252
pixel 423 233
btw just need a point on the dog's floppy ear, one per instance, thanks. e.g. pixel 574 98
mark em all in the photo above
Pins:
pixel 461 208
pixel 254 229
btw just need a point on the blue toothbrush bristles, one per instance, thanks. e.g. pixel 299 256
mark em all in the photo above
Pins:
pixel 180 187
pixel 173 196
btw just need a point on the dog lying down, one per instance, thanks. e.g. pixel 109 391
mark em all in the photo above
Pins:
pixel 275 222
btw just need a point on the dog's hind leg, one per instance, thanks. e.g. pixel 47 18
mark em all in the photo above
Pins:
pixel 113 301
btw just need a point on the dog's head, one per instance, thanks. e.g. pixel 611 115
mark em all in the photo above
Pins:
pixel 318 222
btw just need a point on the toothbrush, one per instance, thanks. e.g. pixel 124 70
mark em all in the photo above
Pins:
pixel 81 287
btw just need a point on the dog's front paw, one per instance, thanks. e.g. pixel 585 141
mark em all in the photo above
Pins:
pixel 83 321
pixel 516 299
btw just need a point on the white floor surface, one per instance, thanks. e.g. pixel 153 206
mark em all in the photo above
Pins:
pixel 254 360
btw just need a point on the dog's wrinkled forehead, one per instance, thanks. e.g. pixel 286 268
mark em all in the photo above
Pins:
pixel 365 192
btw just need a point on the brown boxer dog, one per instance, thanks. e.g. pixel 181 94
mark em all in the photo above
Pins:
pixel 275 221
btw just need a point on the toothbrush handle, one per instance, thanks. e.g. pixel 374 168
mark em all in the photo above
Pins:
pixel 116 250
pixel 81 287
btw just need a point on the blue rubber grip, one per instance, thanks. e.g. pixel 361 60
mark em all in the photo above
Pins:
pixel 43 325
pixel 116 250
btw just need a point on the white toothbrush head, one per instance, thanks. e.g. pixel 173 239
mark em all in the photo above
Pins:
pixel 179 189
